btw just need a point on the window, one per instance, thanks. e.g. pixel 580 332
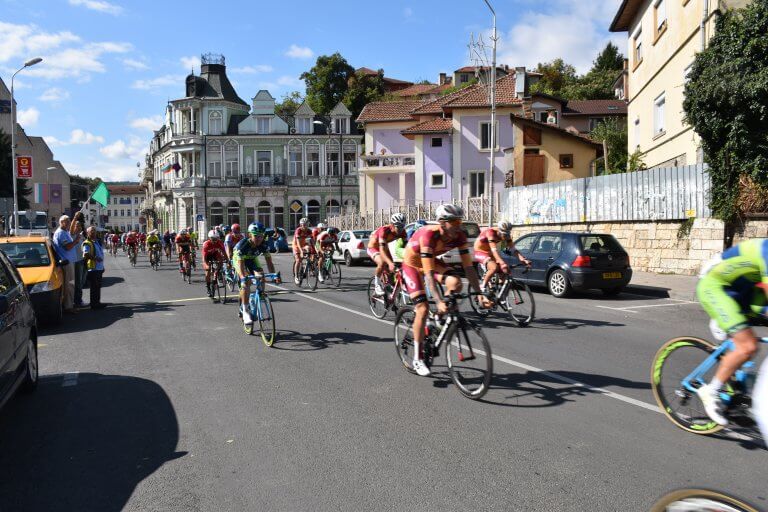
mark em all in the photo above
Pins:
pixel 136 212
pixel 437 180
pixel 313 212
pixel 476 183
pixel 264 163
pixel 216 213
pixel 332 158
pixel 215 123
pixel 548 244
pixel 214 160
pixel 658 115
pixel 295 160
pixel 531 136
pixel 485 135
pixel 637 45
pixel 313 159
pixel 264 212
pixel 278 222
pixel 594 121
pixel 304 125
pixel 332 208
pixel 525 244
pixel 233 213
pixel 340 125
pixel 544 117
pixel 566 161
pixel 262 125
pixel 122 213
pixel 231 163
pixel 463 78
pixel 135 200
pixel 350 157
pixel 437 142
pixel 660 15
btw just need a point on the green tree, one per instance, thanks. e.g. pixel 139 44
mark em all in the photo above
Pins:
pixel 613 134
pixel 557 76
pixel 289 103
pixel 455 88
pixel 610 59
pixel 363 89
pixel 595 85
pixel 726 103
pixel 6 173
pixel 327 82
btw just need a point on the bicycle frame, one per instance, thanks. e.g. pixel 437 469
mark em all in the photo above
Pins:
pixel 695 379
pixel 254 300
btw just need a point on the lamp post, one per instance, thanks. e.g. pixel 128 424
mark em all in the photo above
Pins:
pixel 341 161
pixel 493 118
pixel 27 64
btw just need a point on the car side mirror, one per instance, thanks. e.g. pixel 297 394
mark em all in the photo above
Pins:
pixel 4 304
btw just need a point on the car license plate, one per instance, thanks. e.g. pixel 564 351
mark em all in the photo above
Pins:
pixel 611 275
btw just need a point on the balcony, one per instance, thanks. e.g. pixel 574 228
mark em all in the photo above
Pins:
pixel 227 181
pixel 189 182
pixel 321 181
pixel 252 180
pixel 388 163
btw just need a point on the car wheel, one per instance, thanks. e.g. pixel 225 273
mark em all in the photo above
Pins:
pixel 558 284
pixel 30 363
pixel 348 259
pixel 612 292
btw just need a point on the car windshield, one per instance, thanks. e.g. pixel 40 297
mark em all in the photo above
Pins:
pixel 39 223
pixel 600 243
pixel 27 254
pixel 362 234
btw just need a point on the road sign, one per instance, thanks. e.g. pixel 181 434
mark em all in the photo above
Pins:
pixel 295 206
pixel 24 167
pixel 199 217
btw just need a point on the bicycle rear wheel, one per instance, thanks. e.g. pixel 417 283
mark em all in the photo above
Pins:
pixel 312 275
pixel 222 283
pixel 519 303
pixel 335 274
pixel 266 317
pixel 674 361
pixel 701 499
pixel 379 305
pixel 469 360
pixel 404 336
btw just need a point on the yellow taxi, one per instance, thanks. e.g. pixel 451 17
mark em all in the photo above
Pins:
pixel 36 260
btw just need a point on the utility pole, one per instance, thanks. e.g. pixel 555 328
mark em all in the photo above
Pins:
pixel 492 137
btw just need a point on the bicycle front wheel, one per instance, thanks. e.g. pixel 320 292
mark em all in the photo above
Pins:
pixel 404 336
pixel 266 317
pixel 312 275
pixel 470 361
pixel 701 499
pixel 221 281
pixel 519 303
pixel 674 361
pixel 335 274
pixel 378 304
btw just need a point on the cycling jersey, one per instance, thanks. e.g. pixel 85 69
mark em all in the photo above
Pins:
pixel 326 240
pixel 427 240
pixel 249 254
pixel 213 250
pixel 232 239
pixel 384 235
pixel 300 238
pixel 728 292
pixel 184 242
pixel 316 233
pixel 131 240
pixel 482 249
pixel 153 239
pixel 167 238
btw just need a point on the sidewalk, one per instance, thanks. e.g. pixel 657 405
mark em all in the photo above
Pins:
pixel 663 285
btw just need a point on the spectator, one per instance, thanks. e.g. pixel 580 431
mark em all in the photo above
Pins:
pixel 93 255
pixel 77 227
pixel 65 248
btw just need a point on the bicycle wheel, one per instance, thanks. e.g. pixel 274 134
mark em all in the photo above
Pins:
pixel 674 361
pixel 700 500
pixel 519 303
pixel 312 275
pixel 404 336
pixel 379 304
pixel 266 318
pixel 221 282
pixel 469 360
pixel 335 274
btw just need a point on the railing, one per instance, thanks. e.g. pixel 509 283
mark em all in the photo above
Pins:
pixel 188 182
pixel 475 210
pixel 392 160
pixel 226 181
pixel 262 181
pixel 321 181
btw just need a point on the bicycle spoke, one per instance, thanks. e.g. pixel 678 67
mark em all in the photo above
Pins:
pixel 469 361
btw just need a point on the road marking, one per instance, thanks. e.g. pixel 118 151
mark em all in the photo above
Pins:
pixel 70 379
pixel 506 360
pixel 39 345
pixel 182 300
pixel 631 309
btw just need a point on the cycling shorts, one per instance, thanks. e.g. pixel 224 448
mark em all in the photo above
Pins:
pixel 414 278
pixel 186 249
pixel 297 249
pixel 482 257
pixel 252 264
pixel 733 310
pixel 372 253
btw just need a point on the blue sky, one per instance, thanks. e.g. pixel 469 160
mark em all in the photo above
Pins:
pixel 110 65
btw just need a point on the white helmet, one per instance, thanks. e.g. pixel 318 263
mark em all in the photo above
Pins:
pixel 449 212
pixel 505 227
pixel 397 219
pixel 303 221
pixel 213 234
pixel 321 225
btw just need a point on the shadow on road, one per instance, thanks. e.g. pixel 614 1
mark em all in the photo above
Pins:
pixel 108 281
pixel 84 447
pixel 297 342
pixel 88 319
pixel 557 324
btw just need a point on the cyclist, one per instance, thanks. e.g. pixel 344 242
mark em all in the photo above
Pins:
pixel 246 261
pixel 115 244
pixel 132 242
pixel 167 243
pixel 143 241
pixel 213 250
pixel 378 248
pixel 183 246
pixel 232 239
pixel 730 292
pixel 317 230
pixel 488 248
pixel 400 243
pixel 420 263
pixel 153 241
pixel 328 239
pixel 301 246
pixel 193 239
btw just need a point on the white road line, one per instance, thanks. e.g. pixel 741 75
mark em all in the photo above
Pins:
pixel 501 359
pixel 631 309
pixel 70 379
pixel 182 300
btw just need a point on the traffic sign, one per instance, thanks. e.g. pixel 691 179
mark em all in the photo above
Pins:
pixel 24 167
pixel 199 218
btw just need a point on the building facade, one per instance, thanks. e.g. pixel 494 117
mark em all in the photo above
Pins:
pixel 124 211
pixel 664 37
pixel 220 160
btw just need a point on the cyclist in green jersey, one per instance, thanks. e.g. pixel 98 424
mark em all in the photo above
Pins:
pixel 734 292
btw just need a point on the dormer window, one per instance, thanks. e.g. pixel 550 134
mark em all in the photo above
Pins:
pixel 262 125
pixel 340 125
pixel 215 123
pixel 304 125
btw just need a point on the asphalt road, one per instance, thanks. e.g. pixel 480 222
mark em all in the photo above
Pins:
pixel 162 402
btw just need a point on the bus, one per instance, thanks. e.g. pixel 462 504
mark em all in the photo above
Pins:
pixel 32 224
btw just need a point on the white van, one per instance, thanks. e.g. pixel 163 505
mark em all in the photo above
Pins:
pixel 32 223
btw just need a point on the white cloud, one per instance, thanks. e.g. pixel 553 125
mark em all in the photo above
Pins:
pixel 252 70
pixel 134 149
pixel 289 81
pixel 53 141
pixel 79 136
pixel 299 52
pixel 98 5
pixel 192 62
pixel 159 82
pixel 147 123
pixel 407 12
pixel 106 170
pixel 135 64
pixel 572 29
pixel 18 42
pixel 54 94
pixel 28 118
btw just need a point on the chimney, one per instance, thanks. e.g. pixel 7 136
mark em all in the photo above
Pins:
pixel 520 85
pixel 441 80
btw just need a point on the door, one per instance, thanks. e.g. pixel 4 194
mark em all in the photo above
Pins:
pixel 544 253
pixel 533 169
pixel 525 245
pixel 9 327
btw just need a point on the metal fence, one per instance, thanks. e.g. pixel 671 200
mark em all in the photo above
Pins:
pixel 475 208
pixel 656 194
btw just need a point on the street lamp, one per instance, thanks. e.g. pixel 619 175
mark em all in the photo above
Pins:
pixel 27 64
pixel 341 161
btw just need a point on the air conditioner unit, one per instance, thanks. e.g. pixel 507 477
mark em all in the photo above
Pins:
pixel 293 130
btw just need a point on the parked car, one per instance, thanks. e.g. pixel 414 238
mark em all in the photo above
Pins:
pixel 18 333
pixel 353 245
pixel 472 229
pixel 36 261
pixel 564 262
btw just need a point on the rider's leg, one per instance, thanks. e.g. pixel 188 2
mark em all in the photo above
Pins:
pixel 746 346
pixel 491 267
pixel 296 265
pixel 245 293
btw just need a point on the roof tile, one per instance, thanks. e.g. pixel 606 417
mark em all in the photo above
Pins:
pixel 595 107
pixel 439 125
pixel 388 111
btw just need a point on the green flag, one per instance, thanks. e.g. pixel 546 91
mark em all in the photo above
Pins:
pixel 101 194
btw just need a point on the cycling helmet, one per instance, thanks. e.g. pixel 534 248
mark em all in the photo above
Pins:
pixel 333 231
pixel 183 231
pixel 505 227
pixel 256 228
pixel 397 219
pixel 303 221
pixel 449 212
pixel 213 234
pixel 235 228
pixel 321 225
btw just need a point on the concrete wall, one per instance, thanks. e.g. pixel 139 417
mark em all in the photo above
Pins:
pixel 387 190
pixel 390 140
pixel 437 160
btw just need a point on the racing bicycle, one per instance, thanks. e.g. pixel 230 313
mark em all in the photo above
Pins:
pixel 394 296
pixel 154 257
pixel 230 278
pixel 261 308
pixel 467 350
pixel 186 268
pixel 331 270
pixel 509 295
pixel 308 272
pixel 218 284
pixel 132 255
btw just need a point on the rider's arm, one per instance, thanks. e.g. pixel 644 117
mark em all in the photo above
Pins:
pixel 428 264
pixel 270 265
pixel 469 268
pixel 384 251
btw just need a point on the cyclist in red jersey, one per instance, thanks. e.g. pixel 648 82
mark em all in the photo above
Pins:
pixel 301 246
pixel 378 247
pixel 328 239
pixel 488 248
pixel 213 250
pixel 183 246
pixel 420 265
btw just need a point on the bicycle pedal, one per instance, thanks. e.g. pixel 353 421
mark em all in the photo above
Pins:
pixel 463 358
